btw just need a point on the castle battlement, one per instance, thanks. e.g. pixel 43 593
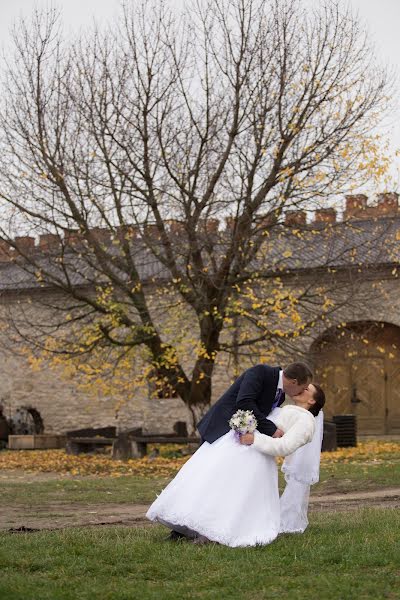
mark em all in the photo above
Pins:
pixel 357 207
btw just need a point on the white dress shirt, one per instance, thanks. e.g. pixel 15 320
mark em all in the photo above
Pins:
pixel 280 380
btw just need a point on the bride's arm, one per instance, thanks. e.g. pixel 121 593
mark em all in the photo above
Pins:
pixel 299 434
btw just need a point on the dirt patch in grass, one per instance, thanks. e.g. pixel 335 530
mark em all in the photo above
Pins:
pixel 378 498
pixel 62 515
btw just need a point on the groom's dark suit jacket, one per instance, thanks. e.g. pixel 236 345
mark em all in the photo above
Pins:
pixel 254 390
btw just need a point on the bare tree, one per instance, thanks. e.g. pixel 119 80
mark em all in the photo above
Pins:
pixel 129 147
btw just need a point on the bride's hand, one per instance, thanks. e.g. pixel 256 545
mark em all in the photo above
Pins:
pixel 278 433
pixel 247 439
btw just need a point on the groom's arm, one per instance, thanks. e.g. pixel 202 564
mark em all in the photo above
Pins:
pixel 250 391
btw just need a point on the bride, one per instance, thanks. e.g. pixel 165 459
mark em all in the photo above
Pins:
pixel 227 492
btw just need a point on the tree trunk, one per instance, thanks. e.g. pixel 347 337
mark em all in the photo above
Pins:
pixel 196 411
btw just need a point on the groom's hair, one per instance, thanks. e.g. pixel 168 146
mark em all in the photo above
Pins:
pixel 319 397
pixel 299 371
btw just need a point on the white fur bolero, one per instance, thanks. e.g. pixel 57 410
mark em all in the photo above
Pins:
pixel 298 425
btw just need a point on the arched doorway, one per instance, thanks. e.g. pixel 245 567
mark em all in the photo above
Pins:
pixel 359 366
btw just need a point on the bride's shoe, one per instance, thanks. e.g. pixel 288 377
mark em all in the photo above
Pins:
pixel 175 536
pixel 201 540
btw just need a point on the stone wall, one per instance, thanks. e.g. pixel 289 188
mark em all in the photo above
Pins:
pixel 63 405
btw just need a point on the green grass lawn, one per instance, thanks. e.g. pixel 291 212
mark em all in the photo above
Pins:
pixel 343 556
pixel 340 477
pixel 87 490
pixel 347 477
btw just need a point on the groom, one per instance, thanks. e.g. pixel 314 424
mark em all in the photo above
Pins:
pixel 259 389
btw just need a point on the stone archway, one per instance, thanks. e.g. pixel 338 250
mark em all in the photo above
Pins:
pixel 358 365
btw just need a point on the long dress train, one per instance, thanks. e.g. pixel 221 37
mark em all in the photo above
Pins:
pixel 226 492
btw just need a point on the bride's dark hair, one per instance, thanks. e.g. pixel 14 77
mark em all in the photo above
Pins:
pixel 319 397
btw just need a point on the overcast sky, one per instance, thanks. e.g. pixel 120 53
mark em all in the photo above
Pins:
pixel 382 18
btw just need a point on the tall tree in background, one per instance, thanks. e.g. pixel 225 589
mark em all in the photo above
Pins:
pixel 160 157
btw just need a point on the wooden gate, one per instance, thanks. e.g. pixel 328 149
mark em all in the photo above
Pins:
pixel 359 368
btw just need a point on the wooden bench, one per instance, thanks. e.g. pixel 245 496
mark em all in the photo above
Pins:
pixel 130 446
pixel 139 442
pixel 77 445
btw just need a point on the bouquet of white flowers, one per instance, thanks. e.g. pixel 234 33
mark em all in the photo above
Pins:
pixel 243 421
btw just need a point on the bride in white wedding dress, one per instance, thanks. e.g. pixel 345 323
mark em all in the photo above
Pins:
pixel 227 491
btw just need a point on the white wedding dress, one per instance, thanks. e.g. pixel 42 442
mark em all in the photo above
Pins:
pixel 229 492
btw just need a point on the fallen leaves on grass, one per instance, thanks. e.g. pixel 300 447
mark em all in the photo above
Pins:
pixel 57 461
pixel 372 451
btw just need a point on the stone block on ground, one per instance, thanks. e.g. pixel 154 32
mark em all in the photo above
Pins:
pixel 41 441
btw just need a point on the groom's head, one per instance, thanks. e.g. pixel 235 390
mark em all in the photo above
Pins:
pixel 296 378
